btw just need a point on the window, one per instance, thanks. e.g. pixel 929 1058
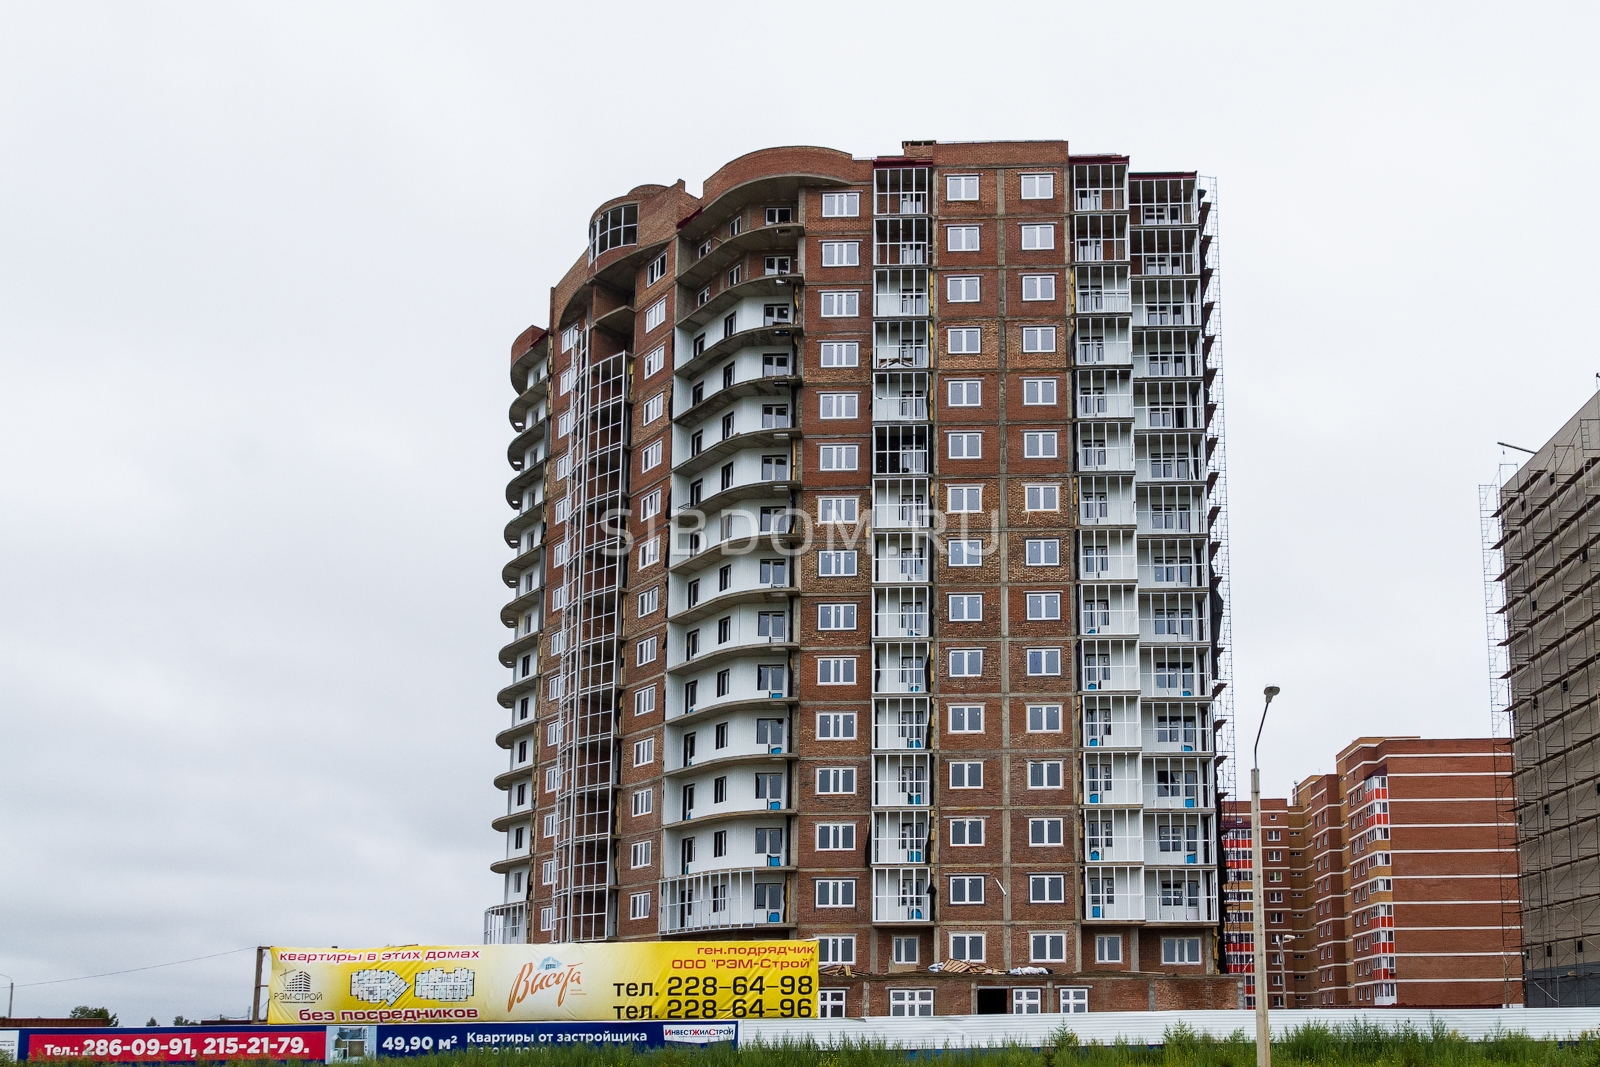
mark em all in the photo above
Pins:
pixel 836 670
pixel 839 405
pixel 910 1002
pixel 836 836
pixel 639 906
pixel 564 424
pixel 966 774
pixel 966 553
pixel 650 504
pixel 836 892
pixel 830 1003
pixel 1108 948
pixel 655 360
pixel 1044 606
pixel 836 780
pixel 841 205
pixel 1044 774
pixel 966 340
pixel 841 304
pixel 516 840
pixel 1038 287
pixel 966 607
pixel 549 826
pixel 1047 888
pixel 1074 1000
pixel 651 457
pixel 961 238
pixel 569 336
pixel 1038 391
pixel 836 726
pixel 1039 444
pixel 966 445
pixel 1044 719
pixel 1044 832
pixel 1038 338
pixel 653 408
pixel 841 253
pixel 1038 186
pixel 966 889
pixel 839 457
pixel 961 289
pixel 644 701
pixel 836 564
pixel 1043 498
pixel 773 469
pixel 961 187
pixel 650 552
pixel 831 950
pixel 639 854
pixel 655 314
pixel 769 787
pixel 644 752
pixel 1180 950
pixel 1044 661
pixel 837 509
pixel 547 873
pixel 1044 552
pixel 645 651
pixel 968 947
pixel 1048 948
pixel 966 831
pixel 836 616
pixel 841 353
pixel 965 394
pixel 966 662
pixel 656 270
pixel 1038 237
pixel 966 718
pixel 643 802
pixel 905 951
pixel 547 918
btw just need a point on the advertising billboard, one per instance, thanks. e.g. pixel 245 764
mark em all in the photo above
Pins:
pixel 583 982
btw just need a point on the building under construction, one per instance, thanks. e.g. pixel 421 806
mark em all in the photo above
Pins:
pixel 1541 531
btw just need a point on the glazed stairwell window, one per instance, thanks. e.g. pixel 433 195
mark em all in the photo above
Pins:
pixel 613 229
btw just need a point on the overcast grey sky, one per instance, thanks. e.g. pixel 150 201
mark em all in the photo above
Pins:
pixel 260 266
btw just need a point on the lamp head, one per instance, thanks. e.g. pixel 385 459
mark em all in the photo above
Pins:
pixel 1270 692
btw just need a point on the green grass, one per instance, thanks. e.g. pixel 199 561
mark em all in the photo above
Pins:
pixel 1355 1044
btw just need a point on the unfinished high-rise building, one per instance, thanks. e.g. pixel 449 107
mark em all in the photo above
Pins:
pixel 1541 534
pixel 871 579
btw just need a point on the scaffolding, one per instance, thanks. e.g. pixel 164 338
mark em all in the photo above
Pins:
pixel 586 684
pixel 1500 719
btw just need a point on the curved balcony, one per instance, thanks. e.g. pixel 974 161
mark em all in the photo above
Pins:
pixel 747 546
pixel 619 321
pixel 507 779
pixel 525 440
pixel 776 437
pixel 777 385
pixel 702 766
pixel 780 236
pixel 511 734
pixel 778 491
pixel 525 480
pixel 719 656
pixel 508 696
pixel 728 815
pixel 511 573
pixel 510 653
pixel 762 288
pixel 507 821
pixel 772 705
pixel 512 611
pixel 519 862
pixel 782 335
pixel 722 900
pixel 537 390
pixel 758 594
pixel 520 522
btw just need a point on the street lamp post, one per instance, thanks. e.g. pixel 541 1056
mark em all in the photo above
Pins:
pixel 11 997
pixel 1258 923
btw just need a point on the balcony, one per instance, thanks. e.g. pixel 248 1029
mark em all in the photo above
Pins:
pixel 900 344
pixel 721 900
pixel 900 837
pixel 900 895
pixel 900 668
pixel 1108 677
pixel 1192 853
pixel 915 515
pixel 1113 836
pixel 1103 456
pixel 904 408
pixel 1105 406
pixel 906 619
pixel 1093 301
pixel 896 563
pixel 1184 794
pixel 506 924
pixel 1113 893
pixel 901 782
pixel 1104 352
pixel 1175 627
pixel 1117 787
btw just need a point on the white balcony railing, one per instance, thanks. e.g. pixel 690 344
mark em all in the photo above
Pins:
pixel 506 924
pixel 1184 796
pixel 900 837
pixel 1105 406
pixel 1091 301
pixel 902 304
pixel 900 355
pixel 901 782
pixel 1113 893
pixel 1108 677
pixel 907 620
pixel 901 895
pixel 1099 352
pixel 1105 457
pixel 902 736
pixel 913 516
pixel 900 409
pixel 895 570
pixel 721 900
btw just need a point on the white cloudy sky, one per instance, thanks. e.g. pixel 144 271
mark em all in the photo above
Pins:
pixel 260 265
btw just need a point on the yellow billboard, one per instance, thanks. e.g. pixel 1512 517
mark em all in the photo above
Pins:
pixel 581 982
